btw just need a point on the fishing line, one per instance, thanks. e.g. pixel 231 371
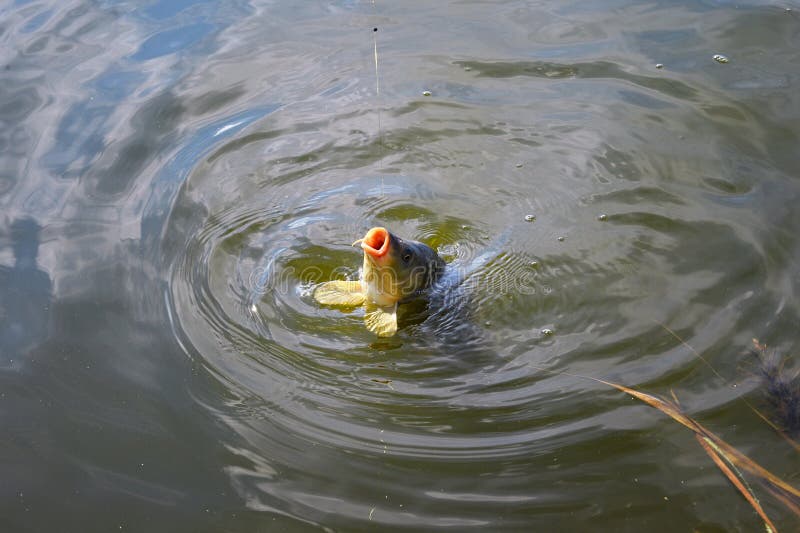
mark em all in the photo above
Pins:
pixel 378 99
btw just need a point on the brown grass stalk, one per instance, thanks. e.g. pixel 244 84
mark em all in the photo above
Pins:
pixel 720 451
pixel 736 480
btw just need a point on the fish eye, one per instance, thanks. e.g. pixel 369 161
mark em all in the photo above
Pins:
pixel 406 257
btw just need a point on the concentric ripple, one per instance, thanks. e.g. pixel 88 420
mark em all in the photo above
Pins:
pixel 569 254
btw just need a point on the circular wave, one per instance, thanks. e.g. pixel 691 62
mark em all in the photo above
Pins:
pixel 537 280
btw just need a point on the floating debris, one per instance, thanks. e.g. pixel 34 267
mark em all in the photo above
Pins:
pixel 602 217
pixel 719 58
pixel 388 383
pixel 659 65
pixel 530 218
pixel 426 93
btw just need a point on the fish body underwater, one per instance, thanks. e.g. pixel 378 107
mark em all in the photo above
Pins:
pixel 394 271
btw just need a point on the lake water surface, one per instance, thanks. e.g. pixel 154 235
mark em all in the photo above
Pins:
pixel 176 175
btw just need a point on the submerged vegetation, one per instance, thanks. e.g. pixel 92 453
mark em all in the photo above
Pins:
pixel 781 388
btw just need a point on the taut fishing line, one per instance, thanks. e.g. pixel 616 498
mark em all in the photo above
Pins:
pixel 378 99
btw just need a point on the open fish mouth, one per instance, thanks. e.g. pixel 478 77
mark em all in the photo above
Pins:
pixel 376 242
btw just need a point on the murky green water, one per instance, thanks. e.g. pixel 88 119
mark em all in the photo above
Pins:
pixel 175 176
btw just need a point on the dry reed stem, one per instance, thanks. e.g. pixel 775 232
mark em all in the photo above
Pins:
pixel 745 490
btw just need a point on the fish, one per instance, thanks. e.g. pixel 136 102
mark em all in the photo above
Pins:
pixel 394 271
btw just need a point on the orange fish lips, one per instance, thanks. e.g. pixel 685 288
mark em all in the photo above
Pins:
pixel 376 243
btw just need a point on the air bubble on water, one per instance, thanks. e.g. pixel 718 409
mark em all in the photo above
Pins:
pixel 561 239
pixel 659 65
pixel 719 58
pixel 519 165
pixel 547 332
pixel 534 264
pixel 426 93
pixel 530 218
pixel 602 217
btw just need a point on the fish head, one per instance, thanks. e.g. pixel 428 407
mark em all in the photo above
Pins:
pixel 396 269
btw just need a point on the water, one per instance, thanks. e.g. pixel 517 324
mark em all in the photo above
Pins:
pixel 175 177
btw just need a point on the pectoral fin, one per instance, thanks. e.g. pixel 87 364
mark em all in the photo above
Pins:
pixel 382 321
pixel 339 292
